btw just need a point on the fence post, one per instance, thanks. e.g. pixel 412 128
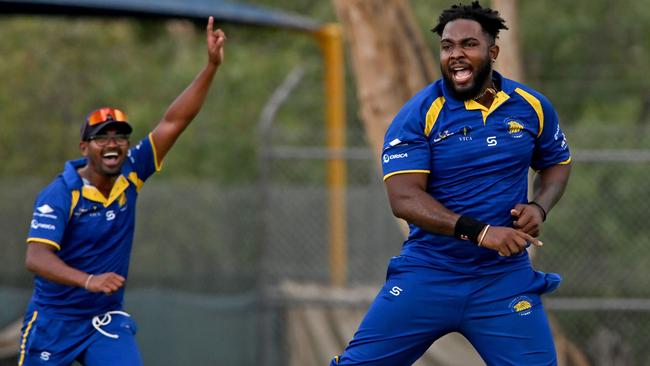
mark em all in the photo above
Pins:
pixel 330 38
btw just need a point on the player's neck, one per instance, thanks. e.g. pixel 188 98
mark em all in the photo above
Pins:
pixel 487 95
pixel 102 182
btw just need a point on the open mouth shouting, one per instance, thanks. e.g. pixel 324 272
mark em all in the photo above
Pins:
pixel 112 158
pixel 461 75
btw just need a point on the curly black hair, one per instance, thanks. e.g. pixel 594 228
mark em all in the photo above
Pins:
pixel 489 19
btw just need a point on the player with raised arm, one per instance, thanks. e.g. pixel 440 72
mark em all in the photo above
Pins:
pixel 81 234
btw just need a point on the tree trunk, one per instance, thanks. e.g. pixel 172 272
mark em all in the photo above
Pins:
pixel 390 62
pixel 509 60
pixel 389 57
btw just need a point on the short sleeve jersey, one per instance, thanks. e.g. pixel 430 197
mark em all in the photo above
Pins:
pixel 91 232
pixel 477 161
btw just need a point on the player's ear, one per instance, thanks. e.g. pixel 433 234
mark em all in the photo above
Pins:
pixel 494 52
pixel 83 147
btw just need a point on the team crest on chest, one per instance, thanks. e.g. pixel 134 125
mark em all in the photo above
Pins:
pixel 515 127
pixel 463 133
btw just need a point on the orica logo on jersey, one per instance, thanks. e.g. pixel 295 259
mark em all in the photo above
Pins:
pixel 521 305
pixel 386 158
pixel 39 225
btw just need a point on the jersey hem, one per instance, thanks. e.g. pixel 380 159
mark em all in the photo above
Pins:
pixel 44 241
pixel 405 172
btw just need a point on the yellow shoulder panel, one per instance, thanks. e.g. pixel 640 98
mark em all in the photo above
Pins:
pixel 433 113
pixel 133 177
pixel 75 199
pixel 537 106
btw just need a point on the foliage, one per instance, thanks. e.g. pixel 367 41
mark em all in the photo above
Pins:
pixel 56 69
pixel 73 66
pixel 588 56
pixel 584 55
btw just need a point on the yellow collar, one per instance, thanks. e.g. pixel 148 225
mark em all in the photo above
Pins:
pixel 93 194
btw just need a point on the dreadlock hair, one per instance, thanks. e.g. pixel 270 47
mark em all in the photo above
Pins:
pixel 489 19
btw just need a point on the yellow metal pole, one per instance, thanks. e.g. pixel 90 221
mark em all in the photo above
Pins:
pixel 330 38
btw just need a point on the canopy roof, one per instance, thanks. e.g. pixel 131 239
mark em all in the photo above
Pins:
pixel 196 10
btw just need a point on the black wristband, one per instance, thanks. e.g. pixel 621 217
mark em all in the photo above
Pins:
pixel 467 228
pixel 540 207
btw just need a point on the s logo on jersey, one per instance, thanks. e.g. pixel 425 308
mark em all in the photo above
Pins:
pixel 110 215
pixel 396 291
pixel 491 141
pixel 45 356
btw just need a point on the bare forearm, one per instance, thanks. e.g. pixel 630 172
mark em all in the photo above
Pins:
pixel 410 201
pixel 182 111
pixel 430 215
pixel 49 266
pixel 549 185
pixel 188 104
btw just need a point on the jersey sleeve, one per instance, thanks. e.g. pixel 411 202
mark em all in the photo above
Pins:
pixel 551 147
pixel 406 148
pixel 50 216
pixel 143 159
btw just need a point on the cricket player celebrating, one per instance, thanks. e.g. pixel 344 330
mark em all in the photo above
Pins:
pixel 81 234
pixel 455 161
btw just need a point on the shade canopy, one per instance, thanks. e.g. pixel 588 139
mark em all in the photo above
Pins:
pixel 195 10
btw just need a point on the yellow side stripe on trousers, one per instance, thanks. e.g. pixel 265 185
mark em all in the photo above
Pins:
pixel 22 344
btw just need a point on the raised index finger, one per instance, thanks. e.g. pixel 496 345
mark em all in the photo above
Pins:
pixel 210 25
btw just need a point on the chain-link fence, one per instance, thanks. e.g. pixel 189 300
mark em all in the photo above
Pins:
pixel 218 272
pixel 597 238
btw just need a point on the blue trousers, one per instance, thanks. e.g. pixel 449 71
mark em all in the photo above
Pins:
pixel 501 315
pixel 56 342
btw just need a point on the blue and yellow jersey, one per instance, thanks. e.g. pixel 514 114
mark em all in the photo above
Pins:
pixel 477 161
pixel 90 232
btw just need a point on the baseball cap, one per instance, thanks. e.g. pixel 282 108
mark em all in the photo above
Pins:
pixel 104 117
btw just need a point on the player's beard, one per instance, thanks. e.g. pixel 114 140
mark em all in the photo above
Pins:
pixel 112 173
pixel 484 72
pixel 109 172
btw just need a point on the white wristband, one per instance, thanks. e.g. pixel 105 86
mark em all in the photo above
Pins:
pixel 482 236
pixel 88 281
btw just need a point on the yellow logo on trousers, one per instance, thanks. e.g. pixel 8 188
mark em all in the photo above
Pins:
pixel 522 305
